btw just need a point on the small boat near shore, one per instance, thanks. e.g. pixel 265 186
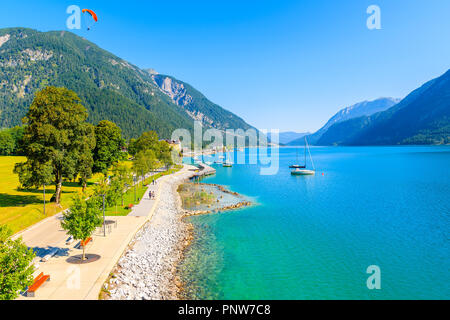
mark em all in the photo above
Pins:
pixel 227 164
pixel 300 170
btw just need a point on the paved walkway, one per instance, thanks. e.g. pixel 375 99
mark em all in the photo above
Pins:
pixel 146 204
pixel 69 281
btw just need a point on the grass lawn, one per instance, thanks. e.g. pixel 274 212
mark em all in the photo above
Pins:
pixel 20 209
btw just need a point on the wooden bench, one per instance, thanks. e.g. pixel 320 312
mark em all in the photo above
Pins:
pixel 85 242
pixel 40 279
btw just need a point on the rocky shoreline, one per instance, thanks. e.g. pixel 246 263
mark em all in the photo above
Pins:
pixel 191 213
pixel 241 204
pixel 148 268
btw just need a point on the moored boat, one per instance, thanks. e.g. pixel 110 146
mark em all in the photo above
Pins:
pixel 301 170
pixel 227 164
pixel 297 166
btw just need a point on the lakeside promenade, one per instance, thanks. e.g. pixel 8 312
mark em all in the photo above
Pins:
pixel 84 282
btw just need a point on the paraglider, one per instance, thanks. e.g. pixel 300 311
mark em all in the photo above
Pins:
pixel 90 17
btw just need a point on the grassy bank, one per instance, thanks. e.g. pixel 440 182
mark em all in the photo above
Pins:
pixel 20 209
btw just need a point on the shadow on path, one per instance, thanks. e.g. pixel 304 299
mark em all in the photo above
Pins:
pixel 43 251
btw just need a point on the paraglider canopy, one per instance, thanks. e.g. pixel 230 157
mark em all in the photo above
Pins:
pixel 92 14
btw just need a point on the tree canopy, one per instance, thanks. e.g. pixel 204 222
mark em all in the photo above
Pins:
pixel 16 270
pixel 109 144
pixel 147 141
pixel 82 218
pixel 56 136
pixel 10 140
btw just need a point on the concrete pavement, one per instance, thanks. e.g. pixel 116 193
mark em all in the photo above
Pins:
pixel 70 281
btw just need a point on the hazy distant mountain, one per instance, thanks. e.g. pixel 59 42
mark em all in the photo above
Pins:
pixel 287 137
pixel 423 117
pixel 109 87
pixel 365 108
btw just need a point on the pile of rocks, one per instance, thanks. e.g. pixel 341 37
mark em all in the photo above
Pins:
pixel 190 213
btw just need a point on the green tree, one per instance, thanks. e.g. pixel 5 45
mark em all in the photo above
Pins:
pixel 139 164
pixel 34 173
pixel 147 141
pixel 151 160
pixel 85 160
pixel 114 193
pixel 132 147
pixel 109 146
pixel 16 270
pixel 123 175
pixel 17 134
pixel 144 162
pixel 82 218
pixel 7 143
pixel 56 135
pixel 108 189
pixel 165 154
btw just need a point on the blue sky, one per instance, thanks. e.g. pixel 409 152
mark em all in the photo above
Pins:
pixel 279 64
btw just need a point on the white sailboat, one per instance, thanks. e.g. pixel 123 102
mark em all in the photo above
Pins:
pixel 303 171
pixel 227 164
pixel 298 166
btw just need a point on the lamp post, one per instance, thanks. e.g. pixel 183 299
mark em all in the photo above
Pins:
pixel 134 178
pixel 104 222
pixel 44 199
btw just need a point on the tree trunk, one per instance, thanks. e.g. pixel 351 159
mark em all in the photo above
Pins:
pixel 58 189
pixel 84 187
pixel 84 256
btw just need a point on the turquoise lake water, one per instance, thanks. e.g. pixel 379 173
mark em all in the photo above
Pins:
pixel 313 237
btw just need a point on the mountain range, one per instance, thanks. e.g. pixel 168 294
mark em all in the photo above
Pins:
pixel 110 88
pixel 285 138
pixel 139 100
pixel 364 108
pixel 423 117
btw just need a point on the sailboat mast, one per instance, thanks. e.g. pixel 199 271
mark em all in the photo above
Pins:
pixel 305 151
pixel 310 157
